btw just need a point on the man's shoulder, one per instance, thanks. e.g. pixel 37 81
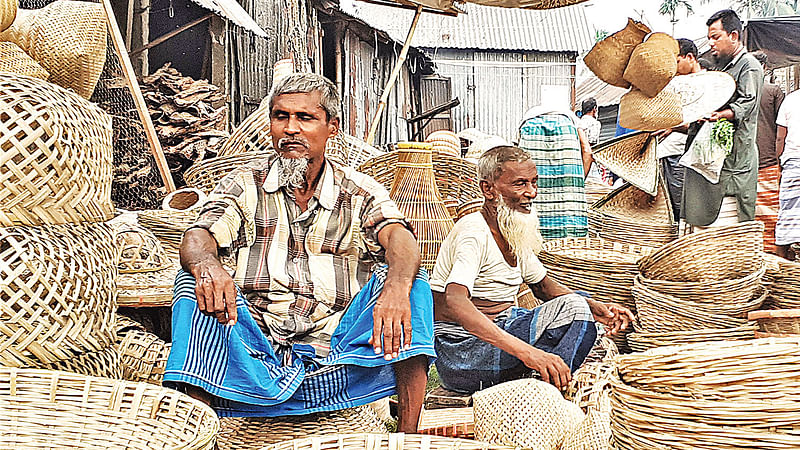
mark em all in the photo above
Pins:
pixel 472 224
pixel 353 182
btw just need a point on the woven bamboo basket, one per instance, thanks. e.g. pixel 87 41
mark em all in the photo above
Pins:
pixel 728 295
pixel 640 341
pixel 205 175
pixel 168 226
pixel 68 38
pixel 8 11
pixel 757 369
pixel 609 57
pixel 780 321
pixel 125 325
pixel 14 60
pixel 604 268
pixel 595 431
pixel 445 142
pixel 183 199
pixel 392 441
pixel 631 215
pixel 653 63
pixel 504 414
pixel 595 191
pixel 784 285
pixel 415 192
pixel 592 376
pixel 242 433
pixel 58 296
pixel 140 251
pixel 637 111
pixel 47 409
pixel 147 289
pixel 448 422
pixel 633 158
pixel 716 254
pixel 55 155
pixel 104 363
pixel 144 357
pixel 526 299
pixel 469 207
pixel 456 178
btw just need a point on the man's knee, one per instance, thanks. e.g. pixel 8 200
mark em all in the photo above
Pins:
pixel 575 305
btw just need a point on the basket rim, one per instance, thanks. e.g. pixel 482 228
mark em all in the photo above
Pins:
pixel 774 314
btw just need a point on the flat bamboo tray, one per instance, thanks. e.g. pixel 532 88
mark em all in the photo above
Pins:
pixel 48 409
pixel 394 441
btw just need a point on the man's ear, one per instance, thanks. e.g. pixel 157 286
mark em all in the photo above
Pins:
pixel 487 189
pixel 735 33
pixel 333 127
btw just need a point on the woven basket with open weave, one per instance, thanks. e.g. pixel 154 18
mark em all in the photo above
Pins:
pixel 609 57
pixel 57 297
pixel 729 294
pixel 628 214
pixel 416 194
pixel 641 340
pixel 47 409
pixel 140 250
pixel 242 433
pixel 14 60
pixel 144 357
pixel 205 175
pixel 392 441
pixel 55 155
pixel 168 226
pixel 106 363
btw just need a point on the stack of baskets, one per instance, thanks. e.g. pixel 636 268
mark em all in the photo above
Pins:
pixel 631 215
pixel 58 260
pixel 783 281
pixel 168 227
pixel 393 441
pixel 445 142
pixel 720 395
pixel 700 287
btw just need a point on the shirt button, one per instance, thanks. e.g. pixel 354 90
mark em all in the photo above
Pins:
pixel 295 260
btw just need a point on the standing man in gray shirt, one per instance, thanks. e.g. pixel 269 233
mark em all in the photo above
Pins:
pixel 703 200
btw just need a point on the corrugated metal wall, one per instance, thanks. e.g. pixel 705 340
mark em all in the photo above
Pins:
pixel 496 88
pixel 293 32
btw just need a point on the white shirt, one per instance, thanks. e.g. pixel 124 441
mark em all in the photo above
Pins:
pixel 789 117
pixel 672 145
pixel 469 256
pixel 591 126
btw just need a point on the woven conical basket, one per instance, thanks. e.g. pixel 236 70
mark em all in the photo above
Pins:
pixel 57 292
pixel 55 155
pixel 14 60
pixel 633 158
pixel 415 192
pixel 637 111
pixel 609 57
pixel 653 63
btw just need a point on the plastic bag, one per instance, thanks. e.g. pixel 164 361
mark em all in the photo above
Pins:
pixel 705 156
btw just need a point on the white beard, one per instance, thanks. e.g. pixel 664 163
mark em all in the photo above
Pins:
pixel 293 172
pixel 520 230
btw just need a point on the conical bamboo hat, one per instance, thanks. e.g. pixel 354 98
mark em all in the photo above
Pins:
pixel 635 205
pixel 633 158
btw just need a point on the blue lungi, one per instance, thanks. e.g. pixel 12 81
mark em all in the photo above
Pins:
pixel 563 326
pixel 239 367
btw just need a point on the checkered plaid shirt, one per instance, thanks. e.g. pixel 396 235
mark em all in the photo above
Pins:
pixel 299 269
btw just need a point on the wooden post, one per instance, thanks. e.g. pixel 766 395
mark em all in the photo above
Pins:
pixel 392 78
pixel 129 25
pixel 138 99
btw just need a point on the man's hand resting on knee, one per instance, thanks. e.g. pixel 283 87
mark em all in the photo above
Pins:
pixel 214 288
pixel 551 367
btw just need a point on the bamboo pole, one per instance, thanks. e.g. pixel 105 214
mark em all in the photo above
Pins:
pixel 392 78
pixel 138 99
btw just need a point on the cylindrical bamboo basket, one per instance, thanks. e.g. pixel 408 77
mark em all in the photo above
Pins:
pixel 58 295
pixel 144 357
pixel 55 155
pixel 168 226
pixel 205 175
pixel 47 409
pixel 445 142
pixel 415 192
pixel 393 441
pixel 244 433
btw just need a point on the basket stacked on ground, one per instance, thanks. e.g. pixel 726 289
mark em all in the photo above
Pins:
pixel 631 215
pixel 146 273
pixel 144 356
pixel 721 395
pixel 783 281
pixel 700 287
pixel 448 422
pixel 168 226
pixel 392 441
pixel 47 409
pixel 776 322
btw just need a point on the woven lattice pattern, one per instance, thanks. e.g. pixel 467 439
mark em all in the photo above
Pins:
pixel 394 441
pixel 105 363
pixel 244 433
pixel 505 413
pixel 645 340
pixel 205 175
pixel 445 142
pixel 168 226
pixel 14 60
pixel 637 111
pixel 609 57
pixel 448 422
pixel 8 11
pixel 415 192
pixel 55 155
pixel 144 357
pixel 57 292
pixel 140 250
pixel 631 215
pixel 46 409
pixel 783 281
pixel 653 63
pixel 633 158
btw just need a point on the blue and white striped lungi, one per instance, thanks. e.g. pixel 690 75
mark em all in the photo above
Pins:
pixel 787 229
pixel 239 367
pixel 563 326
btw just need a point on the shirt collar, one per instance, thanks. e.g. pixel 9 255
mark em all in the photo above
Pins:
pixel 736 58
pixel 325 193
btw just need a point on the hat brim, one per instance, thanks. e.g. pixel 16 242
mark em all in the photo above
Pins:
pixel 633 158
pixel 702 93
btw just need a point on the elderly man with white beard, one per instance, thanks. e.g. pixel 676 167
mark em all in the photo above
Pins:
pixel 481 338
pixel 312 319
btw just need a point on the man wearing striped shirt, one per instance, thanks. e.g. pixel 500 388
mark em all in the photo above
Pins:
pixel 312 320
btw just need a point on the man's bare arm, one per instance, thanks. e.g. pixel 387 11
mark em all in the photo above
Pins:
pixel 214 288
pixel 548 289
pixel 392 312
pixel 780 141
pixel 586 152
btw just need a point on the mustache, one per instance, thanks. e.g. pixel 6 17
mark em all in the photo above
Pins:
pixel 283 142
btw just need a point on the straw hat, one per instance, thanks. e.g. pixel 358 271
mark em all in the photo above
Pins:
pixel 702 93
pixel 480 146
pixel 14 60
pixel 609 57
pixel 637 111
pixel 653 63
pixel 8 11
pixel 282 69
pixel 633 158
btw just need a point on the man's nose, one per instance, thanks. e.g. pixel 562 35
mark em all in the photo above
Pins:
pixel 530 191
pixel 292 125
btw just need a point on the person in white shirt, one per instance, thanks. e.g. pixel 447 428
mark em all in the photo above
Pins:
pixel 481 338
pixel 588 121
pixel 787 147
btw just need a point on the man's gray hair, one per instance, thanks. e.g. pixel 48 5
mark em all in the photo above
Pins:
pixel 490 164
pixel 310 82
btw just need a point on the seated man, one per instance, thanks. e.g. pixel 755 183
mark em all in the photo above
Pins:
pixel 302 327
pixel 481 338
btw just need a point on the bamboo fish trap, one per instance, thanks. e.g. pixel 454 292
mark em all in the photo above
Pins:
pixel 415 192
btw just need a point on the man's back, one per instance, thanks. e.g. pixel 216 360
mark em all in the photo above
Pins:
pixel 771 98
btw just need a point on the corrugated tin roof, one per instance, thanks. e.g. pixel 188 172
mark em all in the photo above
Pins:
pixel 484 27
pixel 604 93
pixel 231 10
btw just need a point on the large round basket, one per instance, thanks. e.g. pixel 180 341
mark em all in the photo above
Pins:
pixel 393 441
pixel 55 155
pixel 168 226
pixel 640 340
pixel 144 357
pixel 243 433
pixel 205 175
pixel 729 294
pixel 605 269
pixel 57 295
pixel 47 409
pixel 631 215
